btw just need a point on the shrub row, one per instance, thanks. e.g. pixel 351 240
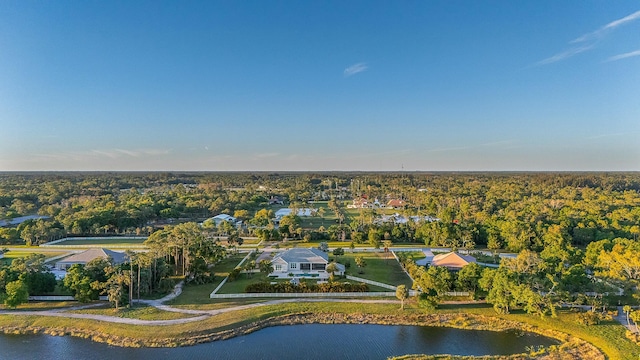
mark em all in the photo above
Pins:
pixel 285 287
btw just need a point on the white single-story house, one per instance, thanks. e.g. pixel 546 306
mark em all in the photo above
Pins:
pixel 452 260
pixel 91 254
pixel 302 262
pixel 223 217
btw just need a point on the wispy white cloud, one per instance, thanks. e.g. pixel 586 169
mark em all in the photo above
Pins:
pixel 589 40
pixel 499 143
pixel 128 152
pixel 448 149
pixel 103 153
pixel 624 56
pixel 566 54
pixel 600 136
pixel 354 69
pixel 267 155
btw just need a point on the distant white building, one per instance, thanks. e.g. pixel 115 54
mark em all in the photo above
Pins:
pixel 400 219
pixel 223 217
pixel 301 212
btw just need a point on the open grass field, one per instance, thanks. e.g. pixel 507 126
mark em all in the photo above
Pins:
pixel 43 305
pixel 381 267
pixel 10 255
pixel 106 242
pixel 250 241
pixel 343 244
pixel 199 294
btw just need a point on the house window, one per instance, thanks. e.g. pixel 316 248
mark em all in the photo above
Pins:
pixel 293 265
pixel 305 266
pixel 278 267
pixel 318 266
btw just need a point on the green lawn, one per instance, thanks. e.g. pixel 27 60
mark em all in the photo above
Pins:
pixel 379 267
pixel 415 255
pixel 250 241
pixel 238 285
pixel 199 294
pixel 343 244
pixel 106 242
pixel 9 256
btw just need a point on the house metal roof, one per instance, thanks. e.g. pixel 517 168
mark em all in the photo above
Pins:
pixel 303 255
pixel 94 253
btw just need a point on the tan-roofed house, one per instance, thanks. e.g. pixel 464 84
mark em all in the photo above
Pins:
pixel 452 260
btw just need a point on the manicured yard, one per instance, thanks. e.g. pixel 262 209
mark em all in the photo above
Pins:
pixel 238 285
pixel 106 242
pixel 250 241
pixel 415 255
pixel 199 294
pixel 381 267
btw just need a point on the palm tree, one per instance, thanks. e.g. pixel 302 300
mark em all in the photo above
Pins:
pixel 627 310
pixel 132 258
pixel 265 267
pixel 402 293
pixel 248 268
pixel 387 246
pixel 360 263
pixel 331 269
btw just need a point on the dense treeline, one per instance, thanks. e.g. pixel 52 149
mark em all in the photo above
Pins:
pixel 497 210
pixel 23 277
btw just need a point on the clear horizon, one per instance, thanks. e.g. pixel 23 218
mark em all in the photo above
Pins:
pixel 331 86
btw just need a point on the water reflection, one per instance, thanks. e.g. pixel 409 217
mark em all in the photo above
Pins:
pixel 314 341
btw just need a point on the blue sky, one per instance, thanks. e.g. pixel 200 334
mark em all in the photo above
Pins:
pixel 310 85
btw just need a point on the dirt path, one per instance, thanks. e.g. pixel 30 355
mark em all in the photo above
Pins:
pixel 204 314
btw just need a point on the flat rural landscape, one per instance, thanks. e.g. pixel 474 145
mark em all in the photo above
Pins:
pixel 407 180
pixel 426 252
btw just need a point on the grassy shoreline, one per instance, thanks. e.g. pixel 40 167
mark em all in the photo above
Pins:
pixel 601 342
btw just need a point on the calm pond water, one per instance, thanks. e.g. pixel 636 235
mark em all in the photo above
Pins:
pixel 315 341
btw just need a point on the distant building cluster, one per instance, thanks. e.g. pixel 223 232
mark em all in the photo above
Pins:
pixel 401 219
pixel 364 203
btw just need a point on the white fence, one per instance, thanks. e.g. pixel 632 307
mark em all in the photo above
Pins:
pixel 371 282
pixel 58 298
pixel 302 295
pixel 56 242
